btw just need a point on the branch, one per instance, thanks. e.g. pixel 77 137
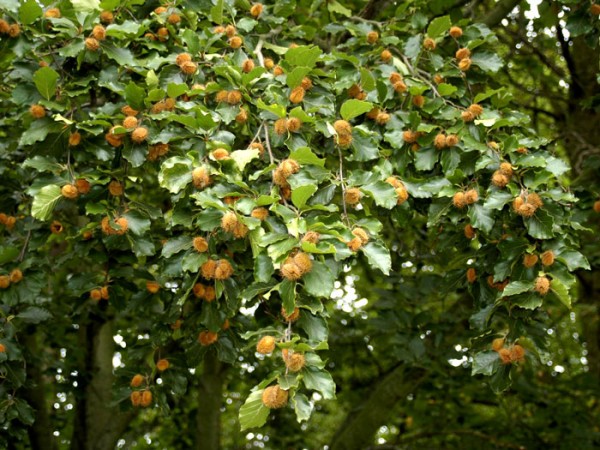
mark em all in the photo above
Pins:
pixel 534 51
pixel 576 89
pixel 502 9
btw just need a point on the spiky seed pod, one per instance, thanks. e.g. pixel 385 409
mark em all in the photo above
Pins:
pixel 52 13
pixel 395 182
pixel 219 29
pixel 517 203
pixel 256 10
pixel 163 34
pixel 130 122
pixel 499 179
pixel 471 196
pixel 429 44
pixel 247 66
pixel 395 77
pixel 418 101
pixel 438 79
pixel 56 227
pixel 547 258
pixel 221 96
pixel 410 136
pixel 4 281
pixel 136 398
pixel 293 124
pixel 260 213
pixel 526 210
pixel 274 397
pixel 240 231
pixel 226 325
pixel 223 270
pixel 312 237
pixel 104 294
pixel 220 154
pixel 162 365
pixel 306 84
pixel 146 398
pixel 199 290
pixel 475 109
pixel 278 70
pixel 200 177
pixel 188 68
pixel 269 63
pixel 10 222
pixel 206 338
pixel 37 111
pixel 352 196
pixel 174 19
pixel 354 91
pixel 401 193
pixel 497 344
pixel 291 317
pixel 229 221
pixel 15 276
pixel 465 64
pixel 517 353
pixel 386 56
pixel 344 140
pixel 373 113
pixel 529 260
pixel 92 44
pixel 295 362
pixel 471 275
pixel 99 32
pixel 230 31
pixel 137 380
pixel 74 139
pixel 440 141
pixel 182 58
pixel 235 42
pixel 69 191
pixel 160 10
pixel 115 188
pixel 234 97
pixel 459 200
pixel 258 146
pixel 452 140
pixel 303 261
pixel 14 30
pixel 266 345
pixel 279 179
pixel 506 169
pixel 4 26
pixel 535 200
pixel 152 286
pixel 455 32
pixel 139 135
pixel 290 271
pixel 361 234
pixel 595 9
pixel 297 95
pixel 469 231
pixel 106 17
pixel 382 118
pixel 504 355
pixel 542 285
pixel 210 295
pixel 200 244
pixel 354 244
pixel 342 127
pixel 280 127
pixel 400 87
pixel 462 53
pixel 372 37
pixel 467 116
pixel 208 269
pixel 289 167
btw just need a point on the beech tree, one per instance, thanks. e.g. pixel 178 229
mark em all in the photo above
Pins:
pixel 195 194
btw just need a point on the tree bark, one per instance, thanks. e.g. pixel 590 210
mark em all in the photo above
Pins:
pixel 500 11
pixel 360 426
pixel 210 398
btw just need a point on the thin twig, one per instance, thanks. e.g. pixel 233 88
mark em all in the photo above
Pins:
pixel 268 142
pixel 343 184
pixel 24 248
pixel 258 52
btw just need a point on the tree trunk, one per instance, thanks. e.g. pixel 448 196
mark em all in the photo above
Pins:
pixel 360 426
pixel 210 398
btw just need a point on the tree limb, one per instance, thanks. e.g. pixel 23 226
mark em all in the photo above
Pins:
pixel 502 9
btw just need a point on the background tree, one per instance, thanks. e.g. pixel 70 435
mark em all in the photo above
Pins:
pixel 182 180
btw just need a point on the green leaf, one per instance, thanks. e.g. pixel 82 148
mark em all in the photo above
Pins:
pixel 560 291
pixel 315 327
pixel 294 78
pixel 302 406
pixel 277 110
pixel 517 287
pixel 540 225
pixel 33 314
pixel 303 55
pixel 367 80
pixel 378 256
pixel 263 268
pixel 319 282
pixel 382 193
pixel 497 200
pixel 135 95
pixel 320 381
pixel 304 155
pixel 446 89
pixel 45 81
pixel 481 217
pixel 353 108
pixel 86 5
pixel 45 201
pixel 8 254
pixel 175 174
pixel 287 290
pixel 301 194
pixel 485 363
pixel 43 164
pixel 438 26
pixel 487 61
pixel 122 56
pixel 216 12
pixel 176 245
pixel 253 413
pixel 574 260
pixel 138 223
pixel 243 157
pixel 174 90
pixel 29 12
pixel 26 414
pixel 336 7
